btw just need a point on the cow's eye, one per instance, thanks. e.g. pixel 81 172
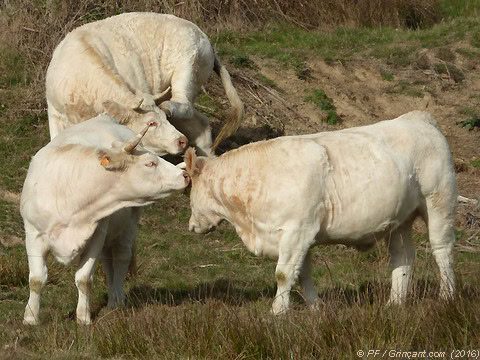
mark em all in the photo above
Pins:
pixel 152 123
pixel 151 164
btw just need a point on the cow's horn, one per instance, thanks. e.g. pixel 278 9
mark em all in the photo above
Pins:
pixel 164 95
pixel 132 144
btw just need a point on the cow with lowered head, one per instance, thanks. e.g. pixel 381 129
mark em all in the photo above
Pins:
pixel 135 66
pixel 81 198
pixel 352 187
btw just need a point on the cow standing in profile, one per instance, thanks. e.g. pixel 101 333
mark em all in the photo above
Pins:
pixel 352 187
pixel 134 66
pixel 80 199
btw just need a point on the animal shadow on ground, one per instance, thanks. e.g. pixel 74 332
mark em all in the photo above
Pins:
pixel 225 291
pixel 247 135
pixel 222 290
pixel 242 137
pixel 233 293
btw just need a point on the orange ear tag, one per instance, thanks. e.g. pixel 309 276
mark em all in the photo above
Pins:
pixel 104 161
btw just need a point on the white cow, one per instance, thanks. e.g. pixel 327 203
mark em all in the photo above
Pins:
pixel 126 65
pixel 350 187
pixel 80 198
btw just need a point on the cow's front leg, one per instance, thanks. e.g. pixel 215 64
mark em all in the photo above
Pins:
pixel 36 253
pixel 292 252
pixel 83 276
pixel 402 254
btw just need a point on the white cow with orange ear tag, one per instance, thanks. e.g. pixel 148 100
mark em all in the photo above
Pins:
pixel 80 202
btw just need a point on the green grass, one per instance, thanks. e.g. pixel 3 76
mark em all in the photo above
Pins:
pixel 20 138
pixel 396 56
pixel 12 68
pixel 406 88
pixel 473 118
pixel 475 163
pixel 302 71
pixel 386 75
pixel 242 61
pixel 460 8
pixel 291 46
pixel 468 53
pixel 321 100
pixel 268 82
pixel 208 105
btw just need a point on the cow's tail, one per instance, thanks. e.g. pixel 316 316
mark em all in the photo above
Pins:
pixel 237 106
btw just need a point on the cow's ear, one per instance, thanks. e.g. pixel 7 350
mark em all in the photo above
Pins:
pixel 119 112
pixel 190 160
pixel 193 164
pixel 113 160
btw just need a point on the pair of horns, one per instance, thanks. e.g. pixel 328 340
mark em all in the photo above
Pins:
pixel 147 101
pixel 132 144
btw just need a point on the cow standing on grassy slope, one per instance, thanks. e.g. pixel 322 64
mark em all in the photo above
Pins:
pixel 126 65
pixel 80 198
pixel 350 187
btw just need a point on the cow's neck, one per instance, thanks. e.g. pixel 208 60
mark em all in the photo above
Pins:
pixel 225 198
pixel 103 202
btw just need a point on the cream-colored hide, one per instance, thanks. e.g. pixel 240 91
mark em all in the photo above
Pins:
pixel 80 201
pixel 138 67
pixel 350 187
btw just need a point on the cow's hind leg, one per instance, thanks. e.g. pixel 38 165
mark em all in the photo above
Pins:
pixel 441 219
pixel 402 254
pixel 306 282
pixel 107 262
pixel 180 106
pixel 83 276
pixel 122 254
pixel 294 247
pixel 37 278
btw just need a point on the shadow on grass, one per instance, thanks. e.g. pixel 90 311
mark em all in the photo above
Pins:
pixel 232 293
pixel 223 290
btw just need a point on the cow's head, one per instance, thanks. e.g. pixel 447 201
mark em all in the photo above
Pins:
pixel 162 138
pixel 143 176
pixel 204 217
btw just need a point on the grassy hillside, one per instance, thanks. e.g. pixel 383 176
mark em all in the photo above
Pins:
pixel 299 69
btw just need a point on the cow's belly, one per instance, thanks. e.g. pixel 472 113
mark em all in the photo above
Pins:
pixel 373 214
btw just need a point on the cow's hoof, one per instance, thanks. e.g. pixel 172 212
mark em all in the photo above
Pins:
pixel 30 321
pixel 84 321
